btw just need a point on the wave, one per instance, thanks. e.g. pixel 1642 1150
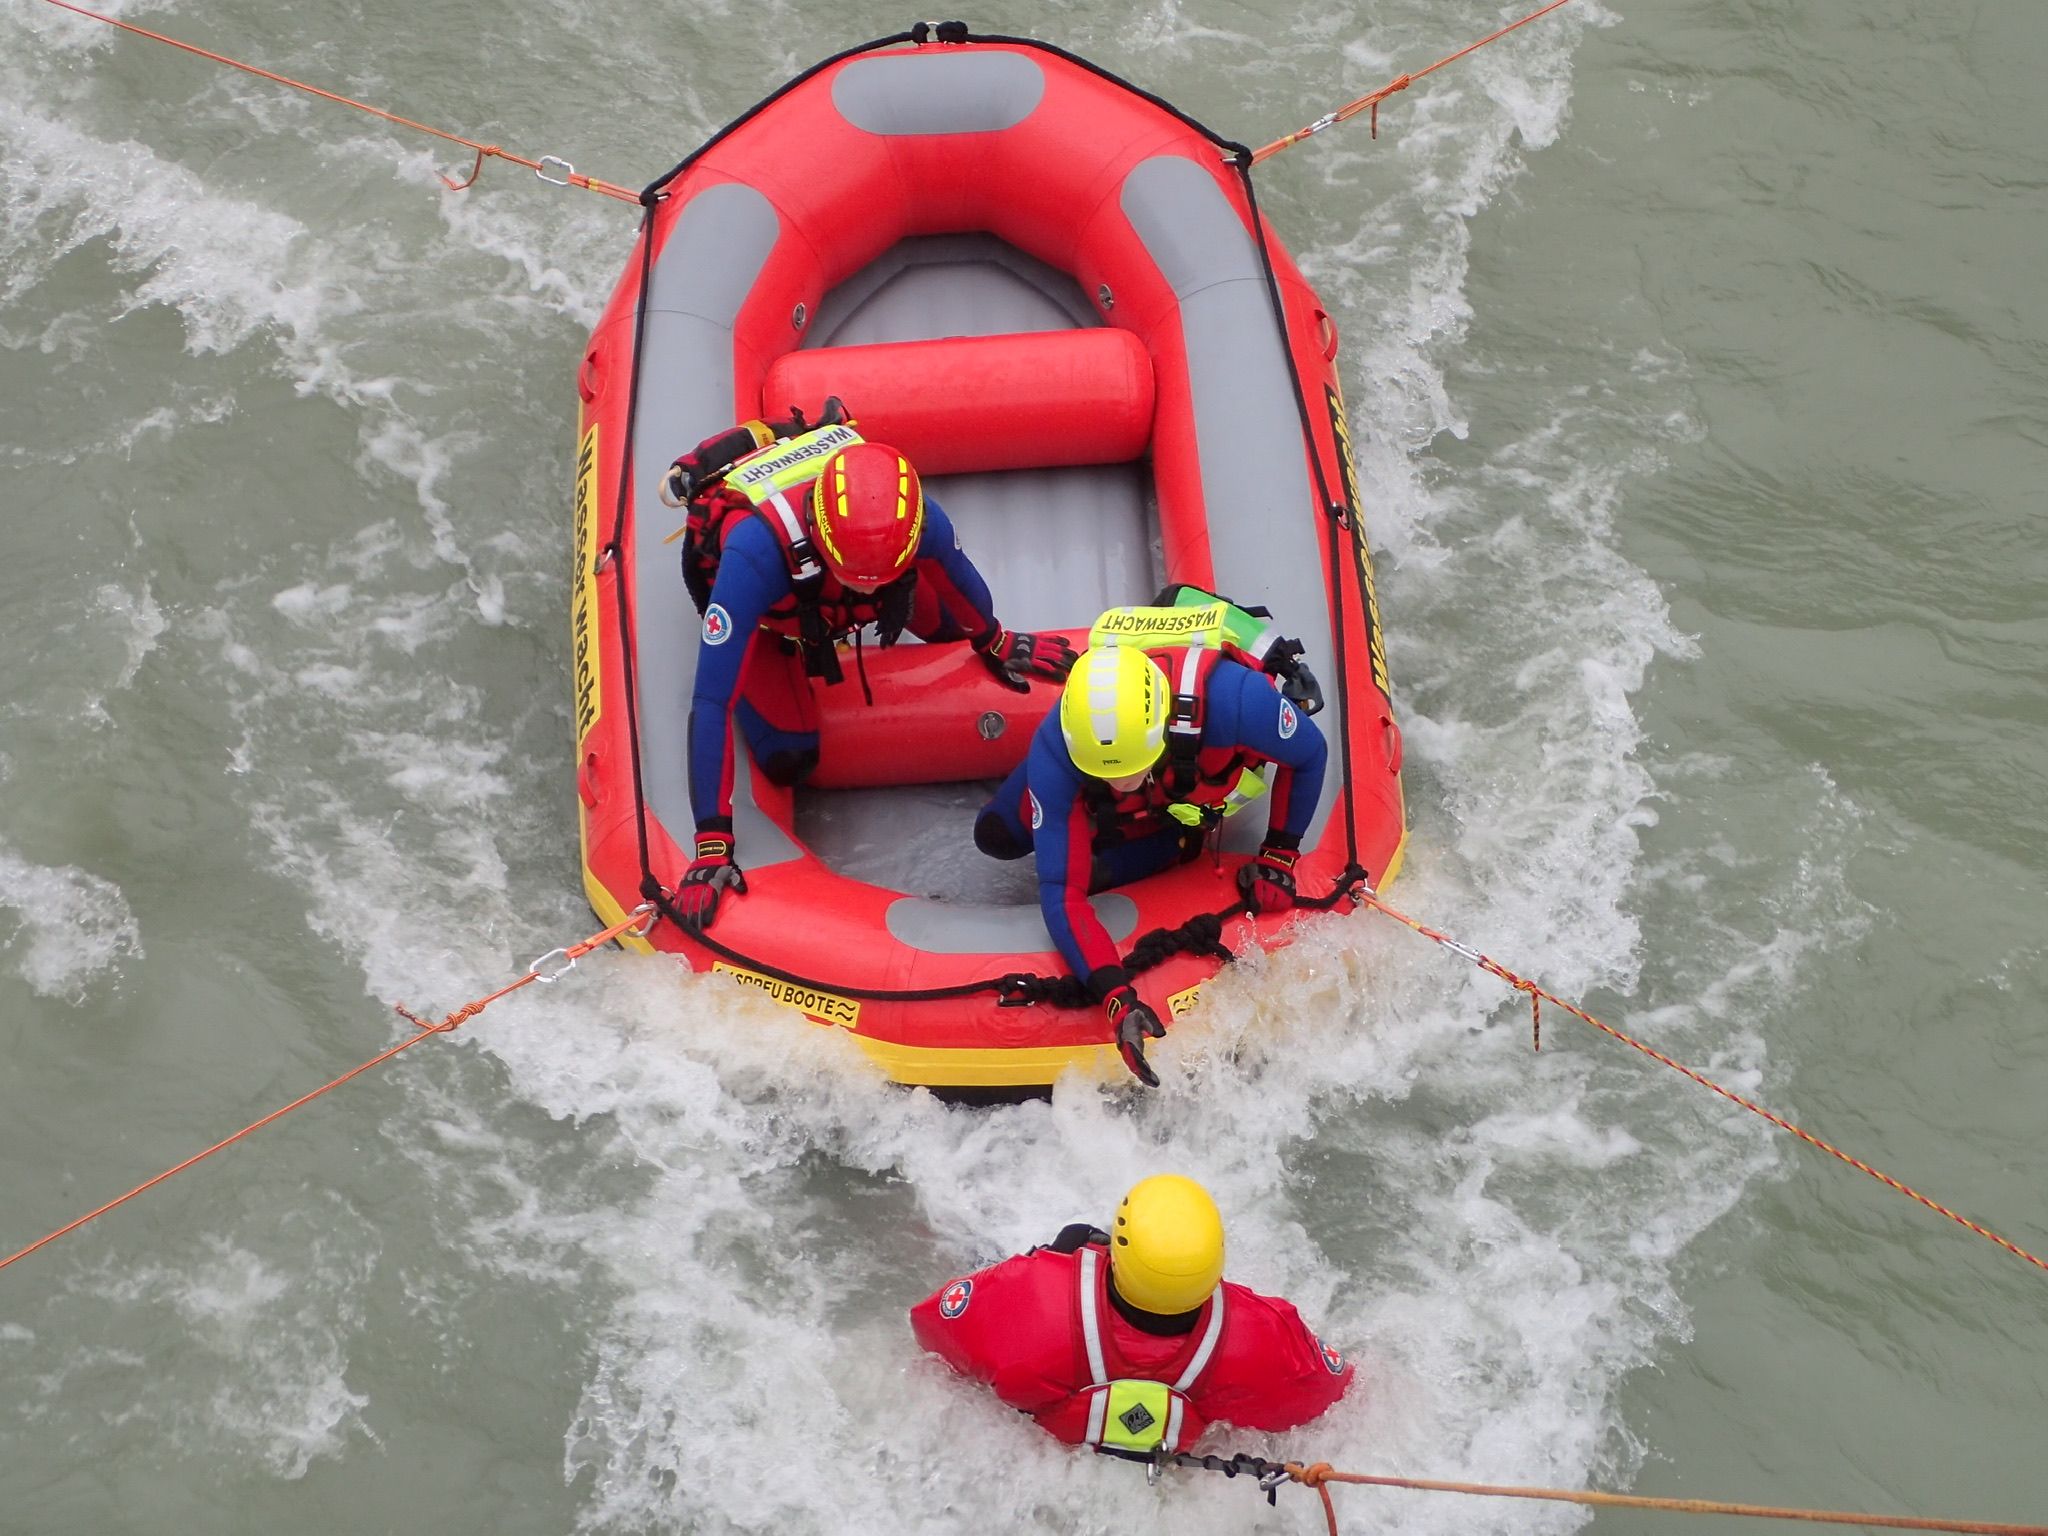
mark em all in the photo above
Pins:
pixel 1500 1239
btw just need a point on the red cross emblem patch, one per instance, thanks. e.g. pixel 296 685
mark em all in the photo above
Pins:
pixel 954 1298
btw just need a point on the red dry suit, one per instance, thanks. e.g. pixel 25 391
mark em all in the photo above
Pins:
pixel 1043 1332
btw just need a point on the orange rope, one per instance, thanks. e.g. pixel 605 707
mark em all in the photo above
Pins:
pixel 640 919
pixel 1538 996
pixel 1319 1476
pixel 1401 83
pixel 568 176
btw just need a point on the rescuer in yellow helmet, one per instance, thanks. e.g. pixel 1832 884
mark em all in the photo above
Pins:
pixel 1166 728
pixel 1113 714
pixel 1165 1347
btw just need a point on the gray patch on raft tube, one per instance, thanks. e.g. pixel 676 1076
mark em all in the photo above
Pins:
pixel 1265 531
pixel 952 928
pixel 929 286
pixel 701 277
pixel 939 92
pixel 1056 546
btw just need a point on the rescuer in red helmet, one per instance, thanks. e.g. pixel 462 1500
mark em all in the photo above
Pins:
pixel 797 538
pixel 1131 1341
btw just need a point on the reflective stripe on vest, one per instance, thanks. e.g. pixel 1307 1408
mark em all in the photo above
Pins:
pixel 1135 1413
pixel 1195 617
pixel 805 566
pixel 1249 785
pixel 784 465
pixel 1204 633
pixel 1186 722
pixel 1153 629
pixel 1196 632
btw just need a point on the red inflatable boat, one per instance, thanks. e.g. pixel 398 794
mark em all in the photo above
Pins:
pixel 1054 294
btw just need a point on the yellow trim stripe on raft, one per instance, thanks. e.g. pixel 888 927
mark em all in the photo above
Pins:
pixel 583 637
pixel 1393 869
pixel 1375 637
pixel 601 902
pixel 583 609
pixel 814 1003
pixel 1033 1066
pixel 1024 1067
pixel 924 1065
pixel 1021 1067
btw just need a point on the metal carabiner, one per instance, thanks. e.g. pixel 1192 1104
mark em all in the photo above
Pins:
pixel 1269 1484
pixel 541 170
pixel 568 964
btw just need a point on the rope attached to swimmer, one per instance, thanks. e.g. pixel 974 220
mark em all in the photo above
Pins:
pixel 552 966
pixel 1270 1475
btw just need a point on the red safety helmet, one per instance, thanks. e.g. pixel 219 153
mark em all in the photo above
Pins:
pixel 867 509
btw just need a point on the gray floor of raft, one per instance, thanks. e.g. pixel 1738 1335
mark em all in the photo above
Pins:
pixel 1057 546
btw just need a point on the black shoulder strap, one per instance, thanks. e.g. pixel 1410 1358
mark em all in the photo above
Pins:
pixel 821 652
pixel 1183 730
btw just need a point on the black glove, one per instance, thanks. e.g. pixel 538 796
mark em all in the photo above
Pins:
pixel 894 605
pixel 1015 659
pixel 710 873
pixel 1301 686
pixel 680 483
pixel 1133 1022
pixel 1075 1236
pixel 1297 683
pixel 1267 882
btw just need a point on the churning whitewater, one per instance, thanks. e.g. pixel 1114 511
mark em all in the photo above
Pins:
pixel 288 742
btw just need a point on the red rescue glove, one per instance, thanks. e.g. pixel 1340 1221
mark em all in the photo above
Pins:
pixel 1267 882
pixel 1133 1022
pixel 712 872
pixel 1015 659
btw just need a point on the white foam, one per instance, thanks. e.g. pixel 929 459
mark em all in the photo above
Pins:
pixel 212 258
pixel 142 620
pixel 1493 1235
pixel 71 927
pixel 245 1351
pixel 237 271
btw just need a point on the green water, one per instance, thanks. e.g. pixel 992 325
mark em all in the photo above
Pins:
pixel 1700 364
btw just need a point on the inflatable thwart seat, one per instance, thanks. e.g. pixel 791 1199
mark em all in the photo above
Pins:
pixel 1052 292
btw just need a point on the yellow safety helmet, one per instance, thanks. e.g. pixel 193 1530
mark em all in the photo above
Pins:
pixel 1166 1249
pixel 1113 712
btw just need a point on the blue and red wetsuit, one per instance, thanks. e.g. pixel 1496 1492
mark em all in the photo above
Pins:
pixel 750 669
pixel 1087 838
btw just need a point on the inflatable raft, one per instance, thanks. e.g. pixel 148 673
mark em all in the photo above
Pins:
pixel 1054 293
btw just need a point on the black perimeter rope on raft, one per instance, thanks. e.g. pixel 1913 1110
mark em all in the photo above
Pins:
pixel 1341 517
pixel 1200 934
